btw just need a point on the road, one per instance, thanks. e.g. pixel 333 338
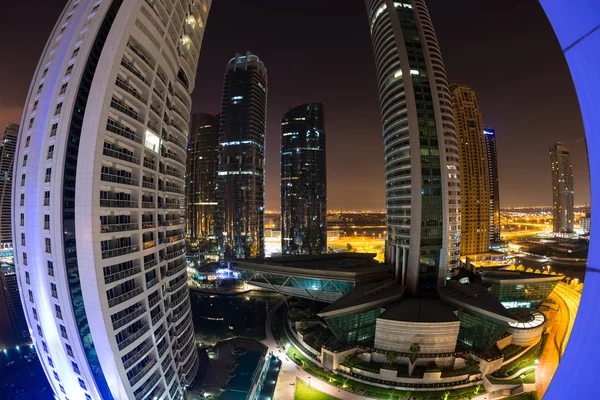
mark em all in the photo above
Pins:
pixel 561 323
pixel 285 388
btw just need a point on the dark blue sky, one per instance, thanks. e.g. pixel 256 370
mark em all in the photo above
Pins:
pixel 320 51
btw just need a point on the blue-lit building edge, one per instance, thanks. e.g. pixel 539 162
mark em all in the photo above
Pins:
pixel 577 26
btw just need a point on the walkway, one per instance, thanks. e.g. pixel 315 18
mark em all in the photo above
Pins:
pixel 285 388
pixel 516 374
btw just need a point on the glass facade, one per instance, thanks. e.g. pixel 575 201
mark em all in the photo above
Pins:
pixel 523 293
pixel 492 158
pixel 479 332
pixel 201 181
pixel 303 181
pixel 355 327
pixel 240 180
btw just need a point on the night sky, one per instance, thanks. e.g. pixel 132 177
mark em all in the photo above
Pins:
pixel 320 51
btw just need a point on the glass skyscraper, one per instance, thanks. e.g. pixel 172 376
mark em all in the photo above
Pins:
pixel 492 157
pixel 563 216
pixel 241 182
pixel 474 172
pixel 420 145
pixel 303 181
pixel 201 181
pixel 98 200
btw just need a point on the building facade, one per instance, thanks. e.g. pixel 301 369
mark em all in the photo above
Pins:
pixel 474 172
pixel 420 145
pixel 7 154
pixel 201 181
pixel 241 182
pixel 14 326
pixel 563 216
pixel 303 181
pixel 99 249
pixel 492 158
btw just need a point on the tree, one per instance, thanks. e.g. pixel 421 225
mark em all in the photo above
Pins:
pixel 392 357
pixel 530 270
pixel 351 360
pixel 472 364
pixel 415 348
pixel 303 325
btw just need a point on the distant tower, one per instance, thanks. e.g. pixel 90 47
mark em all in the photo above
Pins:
pixel 241 183
pixel 12 319
pixel 474 172
pixel 8 145
pixel 303 181
pixel 201 179
pixel 420 148
pixel 562 189
pixel 492 158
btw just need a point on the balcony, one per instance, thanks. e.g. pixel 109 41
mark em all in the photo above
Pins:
pixel 120 251
pixel 121 156
pixel 149 165
pixel 112 178
pixel 176 286
pixel 177 316
pixel 148 225
pixel 176 253
pixel 124 297
pixel 122 274
pixel 171 222
pixel 149 264
pixel 157 318
pixel 174 173
pixel 153 126
pixel 180 299
pixel 154 301
pixel 123 131
pixel 149 244
pixel 169 204
pixel 159 333
pixel 128 66
pixel 152 283
pixel 135 379
pixel 128 318
pixel 128 89
pixel 139 354
pixel 140 53
pixel 118 203
pixel 129 111
pixel 148 184
pixel 172 239
pixel 175 157
pixel 144 389
pixel 172 189
pixel 107 228
pixel 177 268
pixel 148 204
pixel 133 337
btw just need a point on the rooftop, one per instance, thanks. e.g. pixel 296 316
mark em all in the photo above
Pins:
pixel 526 318
pixel 504 276
pixel 419 310
pixel 475 298
pixel 364 297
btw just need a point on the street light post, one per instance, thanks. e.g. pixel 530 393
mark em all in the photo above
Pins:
pixel 309 382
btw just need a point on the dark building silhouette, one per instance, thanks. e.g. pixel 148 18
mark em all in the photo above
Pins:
pixel 201 181
pixel 241 165
pixel 8 146
pixel 492 157
pixel 13 325
pixel 303 181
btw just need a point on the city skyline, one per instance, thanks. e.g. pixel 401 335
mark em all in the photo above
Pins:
pixel 523 168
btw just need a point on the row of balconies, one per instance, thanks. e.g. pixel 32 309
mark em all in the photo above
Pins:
pixel 137 353
pixel 143 328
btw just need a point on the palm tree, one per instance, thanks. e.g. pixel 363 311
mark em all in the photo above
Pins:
pixel 392 357
pixel 415 348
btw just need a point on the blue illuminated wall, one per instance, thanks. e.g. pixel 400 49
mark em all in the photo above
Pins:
pixel 577 26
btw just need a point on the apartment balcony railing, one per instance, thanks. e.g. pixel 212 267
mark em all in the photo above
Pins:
pixel 122 274
pixel 171 222
pixel 120 251
pixel 128 66
pixel 176 286
pixel 149 244
pixel 128 318
pixel 172 239
pixel 118 203
pixel 148 184
pixel 177 316
pixel 159 333
pixel 124 297
pixel 118 179
pixel 140 353
pixel 147 386
pixel 170 205
pixel 128 89
pixel 173 254
pixel 121 156
pixel 177 268
pixel 152 283
pixel 140 53
pixel 175 157
pixel 149 165
pixel 155 109
pixel 148 204
pixel 148 225
pixel 182 297
pixel 153 302
pixel 130 112
pixel 122 131
pixel 150 264
pixel 173 189
pixel 133 337
pixel 107 228
pixel 156 318
pixel 174 173
pixel 153 126
pixel 137 377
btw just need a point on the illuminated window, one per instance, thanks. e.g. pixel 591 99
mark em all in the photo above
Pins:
pixel 152 141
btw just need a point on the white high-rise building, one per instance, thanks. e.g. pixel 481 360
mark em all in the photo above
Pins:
pixel 98 188
pixel 420 145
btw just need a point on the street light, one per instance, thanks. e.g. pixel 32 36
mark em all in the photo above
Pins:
pixel 309 382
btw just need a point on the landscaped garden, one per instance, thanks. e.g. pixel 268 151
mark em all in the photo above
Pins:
pixel 304 392
pixel 526 360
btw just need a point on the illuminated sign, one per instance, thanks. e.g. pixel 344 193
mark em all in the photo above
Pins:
pixel 489 131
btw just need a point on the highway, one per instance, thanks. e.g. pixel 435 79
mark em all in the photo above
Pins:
pixel 560 325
